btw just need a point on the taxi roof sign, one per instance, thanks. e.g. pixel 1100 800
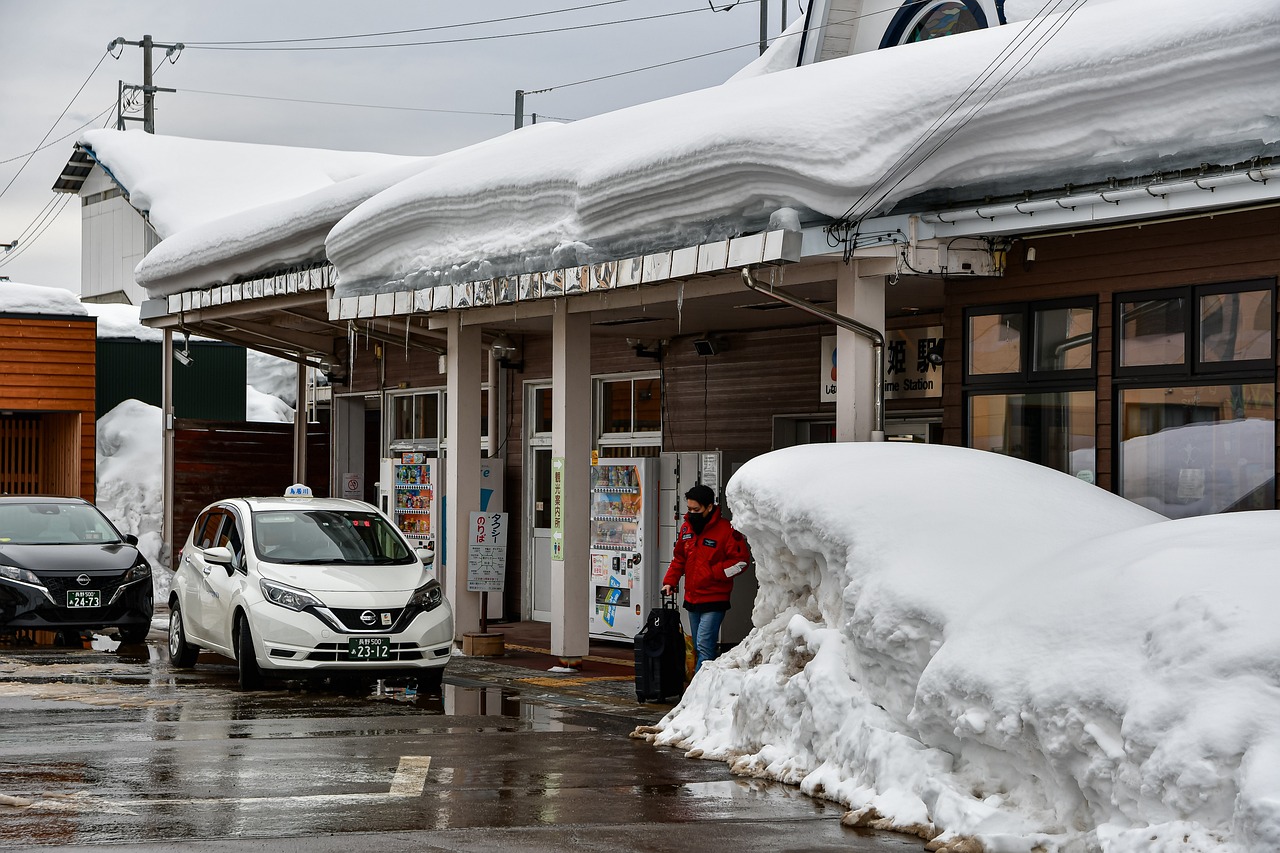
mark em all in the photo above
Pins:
pixel 298 490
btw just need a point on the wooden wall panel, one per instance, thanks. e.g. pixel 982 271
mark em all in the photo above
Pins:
pixel 48 365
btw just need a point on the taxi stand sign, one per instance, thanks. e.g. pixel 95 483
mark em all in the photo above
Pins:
pixel 298 490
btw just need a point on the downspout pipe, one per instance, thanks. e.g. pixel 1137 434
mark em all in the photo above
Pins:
pixel 852 325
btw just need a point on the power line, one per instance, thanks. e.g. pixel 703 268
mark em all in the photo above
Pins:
pixel 342 103
pixel 904 166
pixel 53 142
pixel 406 32
pixel 55 123
pixel 469 38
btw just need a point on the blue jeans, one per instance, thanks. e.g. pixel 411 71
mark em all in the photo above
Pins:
pixel 705 628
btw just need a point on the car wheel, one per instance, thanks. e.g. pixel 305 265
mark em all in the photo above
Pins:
pixel 134 633
pixel 431 679
pixel 246 659
pixel 181 653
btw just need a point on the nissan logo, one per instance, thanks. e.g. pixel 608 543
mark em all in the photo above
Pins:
pixel 83 580
pixel 368 617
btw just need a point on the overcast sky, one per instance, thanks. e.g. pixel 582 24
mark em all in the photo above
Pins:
pixel 48 49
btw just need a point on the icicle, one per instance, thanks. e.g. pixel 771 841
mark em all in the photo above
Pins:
pixel 351 351
pixel 406 338
pixel 679 306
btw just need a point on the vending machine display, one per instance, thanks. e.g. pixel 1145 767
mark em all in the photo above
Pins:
pixel 625 570
pixel 415 480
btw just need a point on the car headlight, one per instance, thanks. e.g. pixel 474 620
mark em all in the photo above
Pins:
pixel 427 597
pixel 14 573
pixel 140 571
pixel 287 596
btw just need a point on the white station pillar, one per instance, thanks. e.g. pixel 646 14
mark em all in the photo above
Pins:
pixel 859 295
pixel 571 474
pixel 462 466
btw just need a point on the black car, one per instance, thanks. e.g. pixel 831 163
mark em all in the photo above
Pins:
pixel 65 567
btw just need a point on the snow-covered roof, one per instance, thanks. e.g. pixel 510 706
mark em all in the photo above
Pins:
pixel 181 183
pixel 1114 89
pixel 17 298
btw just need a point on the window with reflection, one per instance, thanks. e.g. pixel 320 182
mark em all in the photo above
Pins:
pixel 1195 398
pixel 1030 374
pixel 923 20
pixel 629 416
pixel 415 416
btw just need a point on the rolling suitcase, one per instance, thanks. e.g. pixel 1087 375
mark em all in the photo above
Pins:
pixel 660 655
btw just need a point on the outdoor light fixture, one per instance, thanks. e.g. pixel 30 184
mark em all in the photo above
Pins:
pixel 934 354
pixel 185 357
pixel 506 352
pixel 645 351
pixel 710 345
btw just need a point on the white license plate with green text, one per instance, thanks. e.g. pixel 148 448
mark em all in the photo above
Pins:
pixel 84 598
pixel 368 648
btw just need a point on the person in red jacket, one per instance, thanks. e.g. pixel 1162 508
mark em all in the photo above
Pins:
pixel 708 553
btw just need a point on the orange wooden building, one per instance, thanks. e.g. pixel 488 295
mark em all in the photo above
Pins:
pixel 47 386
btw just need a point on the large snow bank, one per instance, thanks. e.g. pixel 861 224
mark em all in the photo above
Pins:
pixel 965 645
pixel 266 407
pixel 1119 90
pixel 17 298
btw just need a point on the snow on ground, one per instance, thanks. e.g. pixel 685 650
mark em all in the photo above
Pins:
pixel 18 298
pixel 1118 90
pixel 968 646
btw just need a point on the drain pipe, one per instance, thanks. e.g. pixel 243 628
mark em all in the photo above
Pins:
pixel 852 325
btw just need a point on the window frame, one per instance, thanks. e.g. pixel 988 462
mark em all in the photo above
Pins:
pixel 1027 377
pixel 1193 370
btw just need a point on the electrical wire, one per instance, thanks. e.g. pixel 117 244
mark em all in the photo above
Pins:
pixel 53 142
pixel 406 32
pixel 342 103
pixel 55 123
pixel 466 39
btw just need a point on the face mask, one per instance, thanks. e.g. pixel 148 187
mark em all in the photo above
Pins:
pixel 697 522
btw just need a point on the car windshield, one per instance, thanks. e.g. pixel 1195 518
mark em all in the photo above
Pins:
pixel 325 537
pixel 41 523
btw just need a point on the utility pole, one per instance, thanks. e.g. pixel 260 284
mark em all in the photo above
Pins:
pixel 784 15
pixel 519 108
pixel 148 87
pixel 764 24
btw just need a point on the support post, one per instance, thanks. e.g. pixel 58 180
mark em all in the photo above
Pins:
pixel 571 447
pixel 167 455
pixel 300 424
pixel 148 88
pixel 519 108
pixel 860 295
pixel 462 466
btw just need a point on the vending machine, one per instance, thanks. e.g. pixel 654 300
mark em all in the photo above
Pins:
pixel 410 487
pixel 626 571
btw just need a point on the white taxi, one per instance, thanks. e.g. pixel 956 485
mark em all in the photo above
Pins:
pixel 300 585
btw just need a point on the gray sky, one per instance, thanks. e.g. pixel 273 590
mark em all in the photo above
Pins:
pixel 47 49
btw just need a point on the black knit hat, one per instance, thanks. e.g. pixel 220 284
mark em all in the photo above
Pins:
pixel 702 494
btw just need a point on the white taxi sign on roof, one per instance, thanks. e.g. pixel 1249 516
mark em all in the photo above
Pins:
pixel 298 490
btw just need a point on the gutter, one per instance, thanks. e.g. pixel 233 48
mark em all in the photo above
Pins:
pixel 848 323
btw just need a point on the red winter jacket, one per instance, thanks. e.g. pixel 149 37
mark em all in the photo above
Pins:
pixel 701 559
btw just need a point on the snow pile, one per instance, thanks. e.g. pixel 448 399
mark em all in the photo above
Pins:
pixel 129 457
pixel 118 320
pixel 266 407
pixel 968 646
pixel 16 298
pixel 783 54
pixel 1118 90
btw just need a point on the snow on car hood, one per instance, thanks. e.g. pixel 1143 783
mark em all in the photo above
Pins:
pixel 343 578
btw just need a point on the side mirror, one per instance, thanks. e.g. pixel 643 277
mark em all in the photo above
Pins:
pixel 426 555
pixel 130 539
pixel 218 556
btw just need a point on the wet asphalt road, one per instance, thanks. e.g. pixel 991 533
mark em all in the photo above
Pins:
pixel 111 746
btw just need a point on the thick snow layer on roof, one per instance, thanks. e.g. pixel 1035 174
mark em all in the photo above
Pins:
pixel 17 298
pixel 1121 89
pixel 783 54
pixel 274 236
pixel 117 320
pixel 182 183
pixel 968 645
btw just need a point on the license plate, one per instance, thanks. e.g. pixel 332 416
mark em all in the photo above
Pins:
pixel 368 648
pixel 84 598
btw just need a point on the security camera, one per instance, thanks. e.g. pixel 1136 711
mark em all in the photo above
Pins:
pixel 183 357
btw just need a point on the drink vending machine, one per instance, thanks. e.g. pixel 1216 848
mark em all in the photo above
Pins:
pixel 413 496
pixel 626 570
